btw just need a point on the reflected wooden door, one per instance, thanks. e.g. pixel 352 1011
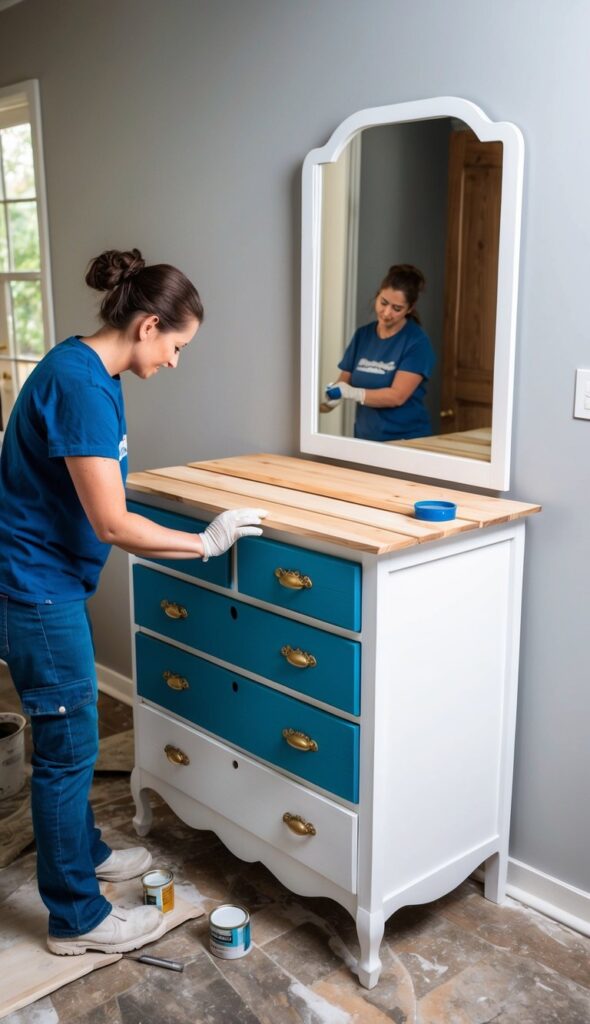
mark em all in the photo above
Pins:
pixel 475 185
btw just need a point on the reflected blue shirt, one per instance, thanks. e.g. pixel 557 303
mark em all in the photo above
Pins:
pixel 373 363
pixel 69 405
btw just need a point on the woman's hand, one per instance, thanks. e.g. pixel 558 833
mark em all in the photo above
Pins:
pixel 347 391
pixel 331 398
pixel 228 527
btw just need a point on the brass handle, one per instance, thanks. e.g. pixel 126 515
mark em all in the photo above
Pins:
pixel 299 741
pixel 6 376
pixel 172 610
pixel 175 682
pixel 298 658
pixel 175 755
pixel 447 414
pixel 293 579
pixel 299 825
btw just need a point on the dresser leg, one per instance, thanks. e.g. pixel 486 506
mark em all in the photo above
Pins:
pixel 370 929
pixel 496 868
pixel 142 821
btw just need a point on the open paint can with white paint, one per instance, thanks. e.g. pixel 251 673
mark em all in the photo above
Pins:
pixel 158 889
pixel 229 931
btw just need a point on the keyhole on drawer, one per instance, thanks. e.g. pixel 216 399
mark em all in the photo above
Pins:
pixel 233 612
pixel 234 764
pixel 234 687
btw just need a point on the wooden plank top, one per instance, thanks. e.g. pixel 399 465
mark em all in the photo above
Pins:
pixel 358 510
pixel 468 444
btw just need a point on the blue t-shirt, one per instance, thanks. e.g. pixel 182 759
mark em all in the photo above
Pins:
pixel 373 363
pixel 69 405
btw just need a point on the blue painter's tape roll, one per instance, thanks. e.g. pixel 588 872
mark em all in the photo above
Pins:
pixel 435 511
pixel 333 392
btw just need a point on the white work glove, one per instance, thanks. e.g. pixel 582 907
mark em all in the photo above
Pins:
pixel 228 527
pixel 347 391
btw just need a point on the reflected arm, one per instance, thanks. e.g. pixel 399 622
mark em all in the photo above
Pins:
pixel 404 385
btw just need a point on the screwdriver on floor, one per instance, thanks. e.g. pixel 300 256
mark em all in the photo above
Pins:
pixel 155 961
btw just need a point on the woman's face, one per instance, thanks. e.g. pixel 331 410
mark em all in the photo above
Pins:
pixel 392 309
pixel 158 348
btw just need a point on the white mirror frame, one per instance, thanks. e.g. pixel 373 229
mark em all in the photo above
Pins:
pixel 495 474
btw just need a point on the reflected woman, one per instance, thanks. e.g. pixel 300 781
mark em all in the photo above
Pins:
pixel 387 364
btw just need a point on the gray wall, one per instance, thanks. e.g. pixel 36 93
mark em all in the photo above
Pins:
pixel 181 128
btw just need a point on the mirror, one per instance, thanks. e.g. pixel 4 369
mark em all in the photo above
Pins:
pixel 436 185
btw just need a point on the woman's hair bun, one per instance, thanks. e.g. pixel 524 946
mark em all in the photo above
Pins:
pixel 162 291
pixel 112 268
pixel 409 271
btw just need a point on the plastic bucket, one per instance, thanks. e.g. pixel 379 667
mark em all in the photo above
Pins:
pixel 12 753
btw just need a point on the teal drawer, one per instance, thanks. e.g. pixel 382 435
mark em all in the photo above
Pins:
pixel 250 638
pixel 251 715
pixel 216 570
pixel 331 590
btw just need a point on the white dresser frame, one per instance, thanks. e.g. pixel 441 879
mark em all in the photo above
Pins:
pixel 440 645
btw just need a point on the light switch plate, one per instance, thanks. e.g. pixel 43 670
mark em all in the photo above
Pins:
pixel 582 395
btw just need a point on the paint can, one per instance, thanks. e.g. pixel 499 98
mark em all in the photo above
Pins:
pixel 12 753
pixel 229 931
pixel 158 889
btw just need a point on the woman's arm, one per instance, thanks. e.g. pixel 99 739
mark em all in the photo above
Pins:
pixel 404 385
pixel 99 487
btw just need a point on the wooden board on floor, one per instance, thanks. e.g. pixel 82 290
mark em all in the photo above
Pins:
pixel 29 971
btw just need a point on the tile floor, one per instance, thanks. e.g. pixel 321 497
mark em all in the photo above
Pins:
pixel 461 960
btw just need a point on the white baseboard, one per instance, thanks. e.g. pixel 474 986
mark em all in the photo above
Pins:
pixel 550 896
pixel 114 684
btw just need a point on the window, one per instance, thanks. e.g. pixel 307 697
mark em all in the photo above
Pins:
pixel 26 315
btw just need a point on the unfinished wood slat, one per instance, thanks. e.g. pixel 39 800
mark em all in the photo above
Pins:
pixel 259 493
pixel 286 518
pixel 371 489
pixel 470 444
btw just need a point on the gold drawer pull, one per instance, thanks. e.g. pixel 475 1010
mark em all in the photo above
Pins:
pixel 298 740
pixel 172 610
pixel 175 682
pixel 175 755
pixel 299 825
pixel 297 657
pixel 292 579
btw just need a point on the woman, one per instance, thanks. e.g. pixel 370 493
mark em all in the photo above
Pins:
pixel 62 504
pixel 387 363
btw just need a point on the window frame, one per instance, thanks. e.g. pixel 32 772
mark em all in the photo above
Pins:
pixel 28 92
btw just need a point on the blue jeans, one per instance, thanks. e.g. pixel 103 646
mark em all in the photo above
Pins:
pixel 49 650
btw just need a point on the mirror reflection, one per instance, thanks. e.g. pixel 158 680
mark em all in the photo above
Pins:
pixel 410 235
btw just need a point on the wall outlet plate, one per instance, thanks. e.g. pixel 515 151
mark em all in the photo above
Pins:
pixel 582 395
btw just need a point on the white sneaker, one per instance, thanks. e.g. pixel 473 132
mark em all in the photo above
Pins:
pixel 121 931
pixel 123 864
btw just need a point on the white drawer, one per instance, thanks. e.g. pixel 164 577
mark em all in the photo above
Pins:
pixel 251 795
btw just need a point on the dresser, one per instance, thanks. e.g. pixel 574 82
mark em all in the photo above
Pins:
pixel 336 698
